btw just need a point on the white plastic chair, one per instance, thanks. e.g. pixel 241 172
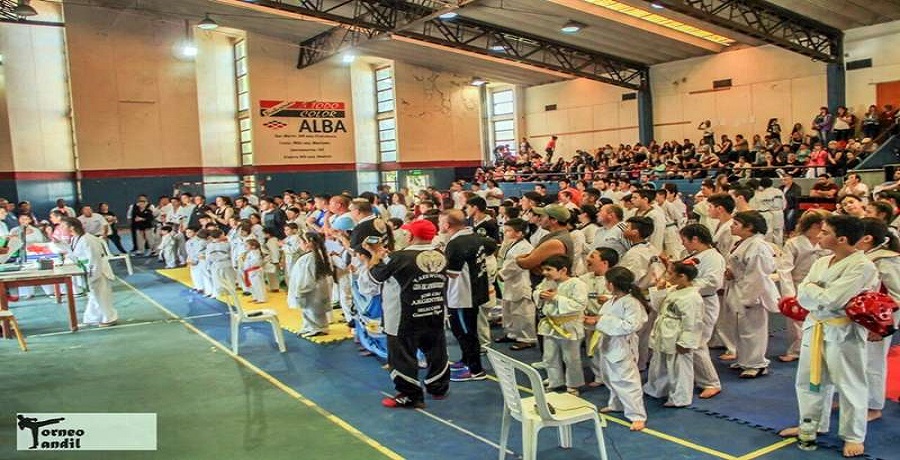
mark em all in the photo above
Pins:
pixel 561 410
pixel 239 315
pixel 127 258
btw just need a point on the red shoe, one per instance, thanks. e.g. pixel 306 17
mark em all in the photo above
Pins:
pixel 402 401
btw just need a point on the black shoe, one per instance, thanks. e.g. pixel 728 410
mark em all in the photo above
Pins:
pixel 505 339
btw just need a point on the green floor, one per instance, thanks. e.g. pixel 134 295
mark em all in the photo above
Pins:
pixel 209 405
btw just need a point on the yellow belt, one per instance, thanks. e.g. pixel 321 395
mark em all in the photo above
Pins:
pixel 816 349
pixel 592 344
pixel 557 321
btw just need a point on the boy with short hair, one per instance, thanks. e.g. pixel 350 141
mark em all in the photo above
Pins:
pixel 833 345
pixel 562 300
pixel 598 262
pixel 642 260
pixel 168 246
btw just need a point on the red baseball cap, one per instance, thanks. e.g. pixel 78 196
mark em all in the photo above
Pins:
pixel 421 229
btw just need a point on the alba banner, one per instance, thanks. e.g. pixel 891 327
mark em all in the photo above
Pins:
pixel 304 132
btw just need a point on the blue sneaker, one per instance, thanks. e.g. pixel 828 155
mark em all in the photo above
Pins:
pixel 468 376
pixel 457 366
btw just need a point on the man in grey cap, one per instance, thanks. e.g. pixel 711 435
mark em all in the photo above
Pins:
pixel 553 218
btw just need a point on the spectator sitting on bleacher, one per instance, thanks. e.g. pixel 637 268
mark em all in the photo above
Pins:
pixel 824 187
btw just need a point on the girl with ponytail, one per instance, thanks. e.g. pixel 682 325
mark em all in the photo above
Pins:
pixel 619 321
pixel 882 248
pixel 310 283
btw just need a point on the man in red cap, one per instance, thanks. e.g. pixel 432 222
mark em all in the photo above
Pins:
pixel 413 282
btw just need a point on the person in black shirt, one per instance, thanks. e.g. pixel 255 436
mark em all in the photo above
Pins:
pixel 482 223
pixel 273 218
pixel 413 283
pixel 467 289
pixel 200 210
pixel 367 224
pixel 792 195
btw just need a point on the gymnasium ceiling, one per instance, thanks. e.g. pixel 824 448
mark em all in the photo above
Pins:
pixel 610 27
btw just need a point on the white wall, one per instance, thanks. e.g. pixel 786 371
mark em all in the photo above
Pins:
pixel 767 82
pixel 881 43
pixel 36 95
pixel 438 115
pixel 588 114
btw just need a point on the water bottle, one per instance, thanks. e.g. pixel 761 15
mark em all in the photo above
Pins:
pixel 806 439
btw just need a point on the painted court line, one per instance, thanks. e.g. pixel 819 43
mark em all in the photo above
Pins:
pixel 767 449
pixel 654 433
pixel 119 326
pixel 457 427
pixel 277 383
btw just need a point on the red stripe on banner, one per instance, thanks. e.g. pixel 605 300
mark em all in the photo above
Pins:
pixel 37 175
pixel 304 105
pixel 893 373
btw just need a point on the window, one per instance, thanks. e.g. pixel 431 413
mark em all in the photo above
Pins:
pixel 384 89
pixel 503 119
pixel 502 102
pixel 389 178
pixel 386 118
pixel 245 123
pixel 387 139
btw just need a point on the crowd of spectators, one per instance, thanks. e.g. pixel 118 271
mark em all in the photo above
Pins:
pixel 833 144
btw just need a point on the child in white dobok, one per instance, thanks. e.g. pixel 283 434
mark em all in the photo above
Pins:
pixel 883 249
pixel 643 261
pixel 218 262
pixel 750 292
pixel 272 266
pixel 831 340
pixel 675 335
pixel 195 247
pixel 599 261
pixel 168 246
pixel 311 281
pixel 518 306
pixel 796 258
pixel 290 249
pixel 562 300
pixel 252 270
pixel 619 320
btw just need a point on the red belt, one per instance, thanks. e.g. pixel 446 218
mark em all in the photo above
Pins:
pixel 247 274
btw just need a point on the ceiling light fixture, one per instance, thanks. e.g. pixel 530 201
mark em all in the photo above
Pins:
pixel 23 9
pixel 448 15
pixel 348 58
pixel 207 23
pixel 572 27
pixel 478 81
pixel 657 5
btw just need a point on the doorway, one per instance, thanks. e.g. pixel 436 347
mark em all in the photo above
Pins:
pixel 887 93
